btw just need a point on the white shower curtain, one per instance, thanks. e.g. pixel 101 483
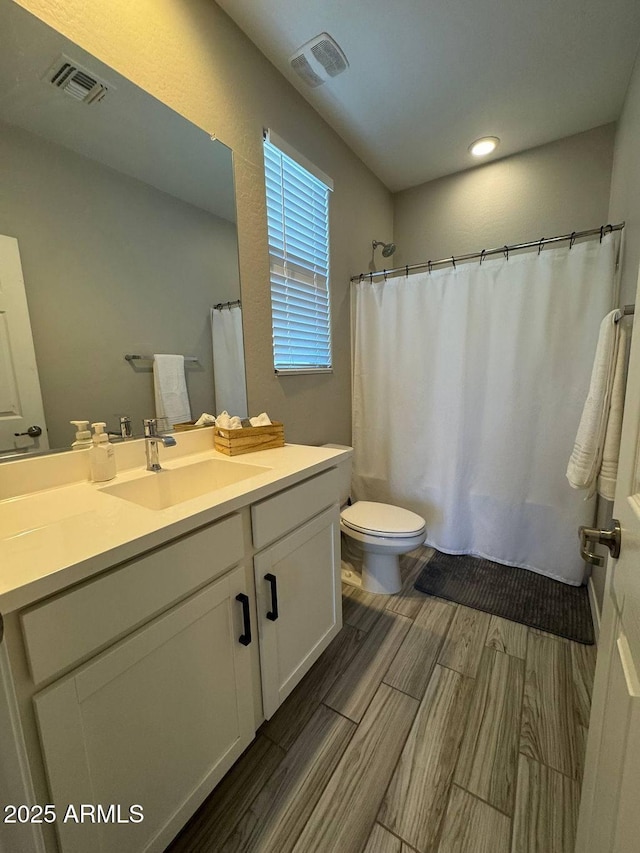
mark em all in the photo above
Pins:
pixel 228 361
pixel 469 384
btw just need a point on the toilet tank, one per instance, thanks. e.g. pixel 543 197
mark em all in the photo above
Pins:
pixel 344 472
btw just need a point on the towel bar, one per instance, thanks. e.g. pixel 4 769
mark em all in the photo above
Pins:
pixel 130 357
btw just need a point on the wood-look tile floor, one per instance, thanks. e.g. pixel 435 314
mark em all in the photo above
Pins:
pixel 425 727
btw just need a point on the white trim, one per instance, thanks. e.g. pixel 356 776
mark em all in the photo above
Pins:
pixel 296 371
pixel 595 609
pixel 16 785
pixel 300 159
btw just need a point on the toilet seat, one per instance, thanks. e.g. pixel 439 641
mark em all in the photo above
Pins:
pixel 371 518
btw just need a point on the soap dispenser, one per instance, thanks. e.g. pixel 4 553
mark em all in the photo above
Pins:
pixel 102 457
pixel 83 435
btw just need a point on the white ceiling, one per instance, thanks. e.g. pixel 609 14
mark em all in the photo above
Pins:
pixel 427 77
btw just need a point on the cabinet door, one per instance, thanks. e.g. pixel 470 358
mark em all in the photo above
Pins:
pixel 302 573
pixel 156 721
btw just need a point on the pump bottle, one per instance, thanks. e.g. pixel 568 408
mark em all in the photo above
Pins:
pixel 102 457
pixel 83 435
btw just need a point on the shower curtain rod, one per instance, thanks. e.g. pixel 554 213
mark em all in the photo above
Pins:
pixel 544 241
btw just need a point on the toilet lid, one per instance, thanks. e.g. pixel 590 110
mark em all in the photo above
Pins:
pixel 382 519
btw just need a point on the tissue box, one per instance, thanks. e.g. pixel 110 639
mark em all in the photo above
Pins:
pixel 233 442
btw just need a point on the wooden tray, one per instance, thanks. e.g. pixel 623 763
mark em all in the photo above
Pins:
pixel 233 442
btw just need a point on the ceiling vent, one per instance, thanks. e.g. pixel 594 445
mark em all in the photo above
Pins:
pixel 319 59
pixel 76 81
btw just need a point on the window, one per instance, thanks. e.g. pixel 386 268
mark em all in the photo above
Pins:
pixel 298 225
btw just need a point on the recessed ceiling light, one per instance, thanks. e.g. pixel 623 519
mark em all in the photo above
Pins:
pixel 484 146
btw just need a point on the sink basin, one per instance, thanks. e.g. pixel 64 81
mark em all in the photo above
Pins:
pixel 172 486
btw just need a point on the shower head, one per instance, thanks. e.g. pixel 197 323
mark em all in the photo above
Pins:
pixel 387 248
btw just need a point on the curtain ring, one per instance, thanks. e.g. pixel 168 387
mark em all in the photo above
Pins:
pixel 505 252
pixel 370 278
pixel 430 265
pixel 610 227
pixel 482 254
pixel 540 244
pixel 601 232
pixel 361 277
pixel 384 272
pixel 453 261
pixel 572 239
pixel 406 271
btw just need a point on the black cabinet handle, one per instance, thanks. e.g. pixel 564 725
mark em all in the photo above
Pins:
pixel 245 638
pixel 273 613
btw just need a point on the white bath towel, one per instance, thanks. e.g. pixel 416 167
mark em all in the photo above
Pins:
pixel 608 473
pixel 170 386
pixel 586 456
pixel 262 419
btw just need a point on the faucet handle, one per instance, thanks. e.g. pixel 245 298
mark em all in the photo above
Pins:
pixel 150 427
pixel 125 427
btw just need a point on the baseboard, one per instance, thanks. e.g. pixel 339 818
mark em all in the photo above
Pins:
pixel 595 609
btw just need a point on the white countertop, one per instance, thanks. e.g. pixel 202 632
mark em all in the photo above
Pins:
pixel 58 536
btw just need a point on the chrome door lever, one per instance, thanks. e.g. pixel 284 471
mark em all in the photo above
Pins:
pixel 590 536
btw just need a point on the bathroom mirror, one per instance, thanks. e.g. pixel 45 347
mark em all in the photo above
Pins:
pixel 124 215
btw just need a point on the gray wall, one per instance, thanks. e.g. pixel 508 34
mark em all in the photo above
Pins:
pixel 625 185
pixel 553 189
pixel 111 266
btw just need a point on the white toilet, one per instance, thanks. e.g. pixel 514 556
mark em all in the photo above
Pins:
pixel 383 533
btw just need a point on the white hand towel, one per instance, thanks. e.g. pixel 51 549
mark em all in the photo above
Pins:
pixel 262 419
pixel 225 421
pixel 586 456
pixel 205 419
pixel 170 386
pixel 611 450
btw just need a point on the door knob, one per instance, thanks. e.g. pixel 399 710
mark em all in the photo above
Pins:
pixel 590 536
pixel 33 432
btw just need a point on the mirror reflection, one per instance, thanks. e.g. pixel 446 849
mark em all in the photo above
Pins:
pixel 118 224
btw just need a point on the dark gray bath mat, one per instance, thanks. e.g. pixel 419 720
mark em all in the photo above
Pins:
pixel 515 594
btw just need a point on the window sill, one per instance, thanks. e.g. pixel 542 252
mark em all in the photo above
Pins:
pixel 297 371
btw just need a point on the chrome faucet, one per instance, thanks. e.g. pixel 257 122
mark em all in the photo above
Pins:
pixel 151 441
pixel 125 427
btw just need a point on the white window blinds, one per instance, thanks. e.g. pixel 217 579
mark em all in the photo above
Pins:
pixel 298 224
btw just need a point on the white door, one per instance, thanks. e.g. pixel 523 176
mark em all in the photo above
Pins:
pixel 20 397
pixel 154 721
pixel 610 807
pixel 299 602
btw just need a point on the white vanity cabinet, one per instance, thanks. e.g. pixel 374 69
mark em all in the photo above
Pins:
pixel 141 685
pixel 153 697
pixel 154 721
pixel 297 583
